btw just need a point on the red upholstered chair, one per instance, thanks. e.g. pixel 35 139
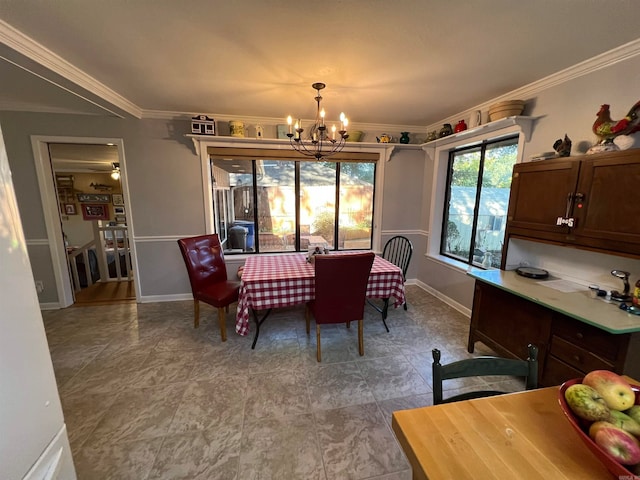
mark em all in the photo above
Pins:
pixel 208 276
pixel 341 287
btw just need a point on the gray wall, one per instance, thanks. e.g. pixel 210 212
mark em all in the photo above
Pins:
pixel 164 180
pixel 166 195
pixel 165 187
pixel 569 108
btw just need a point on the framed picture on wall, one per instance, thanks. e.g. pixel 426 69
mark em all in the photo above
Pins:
pixel 94 197
pixel 117 199
pixel 121 219
pixel 118 210
pixel 70 209
pixel 95 211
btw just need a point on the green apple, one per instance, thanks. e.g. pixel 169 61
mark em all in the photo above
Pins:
pixel 621 445
pixel 625 422
pixel 634 412
pixel 586 403
pixel 614 389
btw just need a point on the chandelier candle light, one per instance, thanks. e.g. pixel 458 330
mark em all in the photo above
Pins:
pixel 320 143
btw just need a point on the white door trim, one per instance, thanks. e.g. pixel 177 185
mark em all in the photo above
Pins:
pixel 49 198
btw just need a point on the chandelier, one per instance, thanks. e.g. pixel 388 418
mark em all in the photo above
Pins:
pixel 321 143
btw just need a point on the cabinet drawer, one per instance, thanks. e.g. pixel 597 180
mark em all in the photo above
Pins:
pixel 592 339
pixel 556 372
pixel 578 357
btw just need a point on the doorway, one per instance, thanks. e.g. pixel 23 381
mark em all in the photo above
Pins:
pixel 88 218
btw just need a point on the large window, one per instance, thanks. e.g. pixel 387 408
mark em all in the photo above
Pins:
pixel 477 198
pixel 279 205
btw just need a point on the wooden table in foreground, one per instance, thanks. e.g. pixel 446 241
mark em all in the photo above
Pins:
pixel 516 436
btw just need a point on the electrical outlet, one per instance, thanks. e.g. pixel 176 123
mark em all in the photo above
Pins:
pixel 39 286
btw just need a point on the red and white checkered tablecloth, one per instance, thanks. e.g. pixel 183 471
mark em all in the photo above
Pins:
pixel 276 281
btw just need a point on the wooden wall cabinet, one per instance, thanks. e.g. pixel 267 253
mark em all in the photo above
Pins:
pixel 568 348
pixel 591 202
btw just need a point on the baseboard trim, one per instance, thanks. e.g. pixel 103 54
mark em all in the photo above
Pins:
pixel 50 306
pixel 179 297
pixel 449 301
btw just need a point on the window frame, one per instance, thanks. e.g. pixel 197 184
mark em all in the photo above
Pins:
pixel 298 186
pixel 438 152
pixel 482 147
pixel 203 143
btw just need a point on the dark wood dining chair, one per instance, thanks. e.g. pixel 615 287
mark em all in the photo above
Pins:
pixel 398 250
pixel 207 271
pixel 340 293
pixel 483 366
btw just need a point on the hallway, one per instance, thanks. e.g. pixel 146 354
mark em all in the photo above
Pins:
pixel 107 293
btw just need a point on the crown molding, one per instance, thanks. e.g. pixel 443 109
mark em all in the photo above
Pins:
pixel 599 62
pixel 43 57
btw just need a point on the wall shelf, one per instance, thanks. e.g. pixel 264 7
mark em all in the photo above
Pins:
pixel 385 149
pixel 525 124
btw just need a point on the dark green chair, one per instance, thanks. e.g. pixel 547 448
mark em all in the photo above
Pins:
pixel 483 366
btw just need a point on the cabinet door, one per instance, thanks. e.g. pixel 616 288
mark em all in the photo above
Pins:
pixel 507 323
pixel 607 217
pixel 539 194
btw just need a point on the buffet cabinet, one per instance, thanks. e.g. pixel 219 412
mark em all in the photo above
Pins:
pixel 590 202
pixel 567 347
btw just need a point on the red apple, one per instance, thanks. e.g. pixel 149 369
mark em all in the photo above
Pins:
pixel 586 402
pixel 621 445
pixel 596 426
pixel 614 389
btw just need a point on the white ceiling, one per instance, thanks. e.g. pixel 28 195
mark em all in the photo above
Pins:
pixel 406 62
pixel 67 157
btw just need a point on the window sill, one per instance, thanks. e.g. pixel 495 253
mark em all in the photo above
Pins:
pixel 455 265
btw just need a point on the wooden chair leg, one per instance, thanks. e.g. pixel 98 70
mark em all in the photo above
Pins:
pixel 361 337
pixel 307 319
pixel 318 354
pixel 348 324
pixel 222 320
pixel 196 313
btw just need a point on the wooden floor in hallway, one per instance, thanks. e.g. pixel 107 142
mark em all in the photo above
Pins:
pixel 106 293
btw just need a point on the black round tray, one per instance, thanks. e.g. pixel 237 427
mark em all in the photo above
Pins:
pixel 531 272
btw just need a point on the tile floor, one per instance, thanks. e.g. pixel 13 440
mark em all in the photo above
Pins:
pixel 147 396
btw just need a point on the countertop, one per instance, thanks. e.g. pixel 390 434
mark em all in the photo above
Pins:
pixel 579 304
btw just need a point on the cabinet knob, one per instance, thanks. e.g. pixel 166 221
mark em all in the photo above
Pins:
pixel 579 336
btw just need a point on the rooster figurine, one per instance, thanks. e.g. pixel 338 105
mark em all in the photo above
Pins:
pixel 607 129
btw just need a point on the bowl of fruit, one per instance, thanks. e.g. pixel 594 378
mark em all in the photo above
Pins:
pixel 604 409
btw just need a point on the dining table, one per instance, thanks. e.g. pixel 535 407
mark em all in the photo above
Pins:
pixel 284 280
pixel 522 435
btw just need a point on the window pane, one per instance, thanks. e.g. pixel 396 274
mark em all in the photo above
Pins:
pixel 233 180
pixel 356 205
pixel 276 205
pixel 267 223
pixel 458 226
pixel 317 203
pixel 494 202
